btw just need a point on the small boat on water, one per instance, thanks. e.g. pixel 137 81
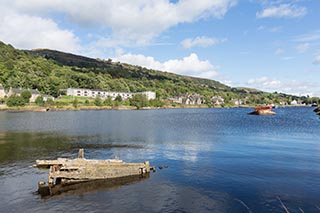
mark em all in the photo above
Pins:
pixel 66 171
pixel 262 110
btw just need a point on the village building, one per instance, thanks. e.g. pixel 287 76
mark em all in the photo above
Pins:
pixel 294 102
pixel 2 91
pixel 188 99
pixel 239 102
pixel 217 100
pixel 105 94
pixel 47 97
pixel 150 95
pixel 34 93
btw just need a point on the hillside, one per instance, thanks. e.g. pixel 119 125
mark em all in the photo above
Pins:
pixel 118 70
pixel 50 70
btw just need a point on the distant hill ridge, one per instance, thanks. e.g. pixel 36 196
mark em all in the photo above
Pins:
pixel 127 70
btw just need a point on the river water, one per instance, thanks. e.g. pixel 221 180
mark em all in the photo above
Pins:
pixel 220 160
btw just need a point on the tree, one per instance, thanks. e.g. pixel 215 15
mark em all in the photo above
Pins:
pixel 39 101
pixel 108 101
pixel 26 95
pixel 75 103
pixel 156 102
pixel 98 101
pixel 139 101
pixel 118 98
pixel 15 100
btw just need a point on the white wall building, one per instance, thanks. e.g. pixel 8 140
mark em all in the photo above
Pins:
pixel 150 95
pixel 2 91
pixel 105 94
pixel 294 102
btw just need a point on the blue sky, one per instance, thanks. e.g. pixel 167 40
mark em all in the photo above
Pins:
pixel 268 45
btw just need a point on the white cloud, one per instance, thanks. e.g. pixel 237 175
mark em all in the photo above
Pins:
pixel 269 29
pixel 274 29
pixel 286 58
pixel 302 48
pixel 262 83
pixel 189 65
pixel 282 11
pixel 279 51
pixel 308 37
pixel 289 86
pixel 138 21
pixel 27 32
pixel 317 59
pixel 201 41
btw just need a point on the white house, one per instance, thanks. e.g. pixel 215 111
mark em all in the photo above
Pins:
pixel 188 99
pixel 2 91
pixel 47 97
pixel 150 95
pixel 105 94
pixel 217 100
pixel 294 102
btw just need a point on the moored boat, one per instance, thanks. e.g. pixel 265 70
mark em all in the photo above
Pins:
pixel 262 110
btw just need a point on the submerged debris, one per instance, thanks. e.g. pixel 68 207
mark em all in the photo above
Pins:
pixel 163 166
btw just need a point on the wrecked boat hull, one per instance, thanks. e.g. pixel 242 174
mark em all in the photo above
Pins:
pixel 78 170
pixel 65 171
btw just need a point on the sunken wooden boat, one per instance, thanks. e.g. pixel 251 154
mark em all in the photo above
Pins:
pixel 66 171
pixel 262 110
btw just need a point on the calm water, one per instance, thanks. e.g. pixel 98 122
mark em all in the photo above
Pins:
pixel 220 160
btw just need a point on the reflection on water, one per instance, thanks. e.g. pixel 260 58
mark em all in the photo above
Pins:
pixel 89 186
pixel 30 146
pixel 220 160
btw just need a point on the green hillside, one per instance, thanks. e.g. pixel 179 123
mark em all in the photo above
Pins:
pixel 49 71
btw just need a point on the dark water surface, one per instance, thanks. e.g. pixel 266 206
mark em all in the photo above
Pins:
pixel 220 160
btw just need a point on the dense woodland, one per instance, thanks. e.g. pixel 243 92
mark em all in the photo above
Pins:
pixel 50 71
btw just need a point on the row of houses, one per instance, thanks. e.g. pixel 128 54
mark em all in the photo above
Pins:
pixel 188 99
pixel 17 91
pixel 196 99
pixel 105 94
pixel 76 92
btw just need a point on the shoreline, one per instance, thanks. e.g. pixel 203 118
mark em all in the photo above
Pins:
pixel 34 108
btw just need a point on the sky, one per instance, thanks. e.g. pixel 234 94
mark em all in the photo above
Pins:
pixel 271 45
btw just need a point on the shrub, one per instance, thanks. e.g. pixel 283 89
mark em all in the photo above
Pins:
pixel 118 98
pixel 39 101
pixel 15 100
pixel 98 101
pixel 139 101
pixel 75 103
pixel 26 95
pixel 108 101
pixel 50 102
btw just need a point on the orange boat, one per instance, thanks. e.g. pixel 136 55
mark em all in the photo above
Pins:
pixel 262 110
